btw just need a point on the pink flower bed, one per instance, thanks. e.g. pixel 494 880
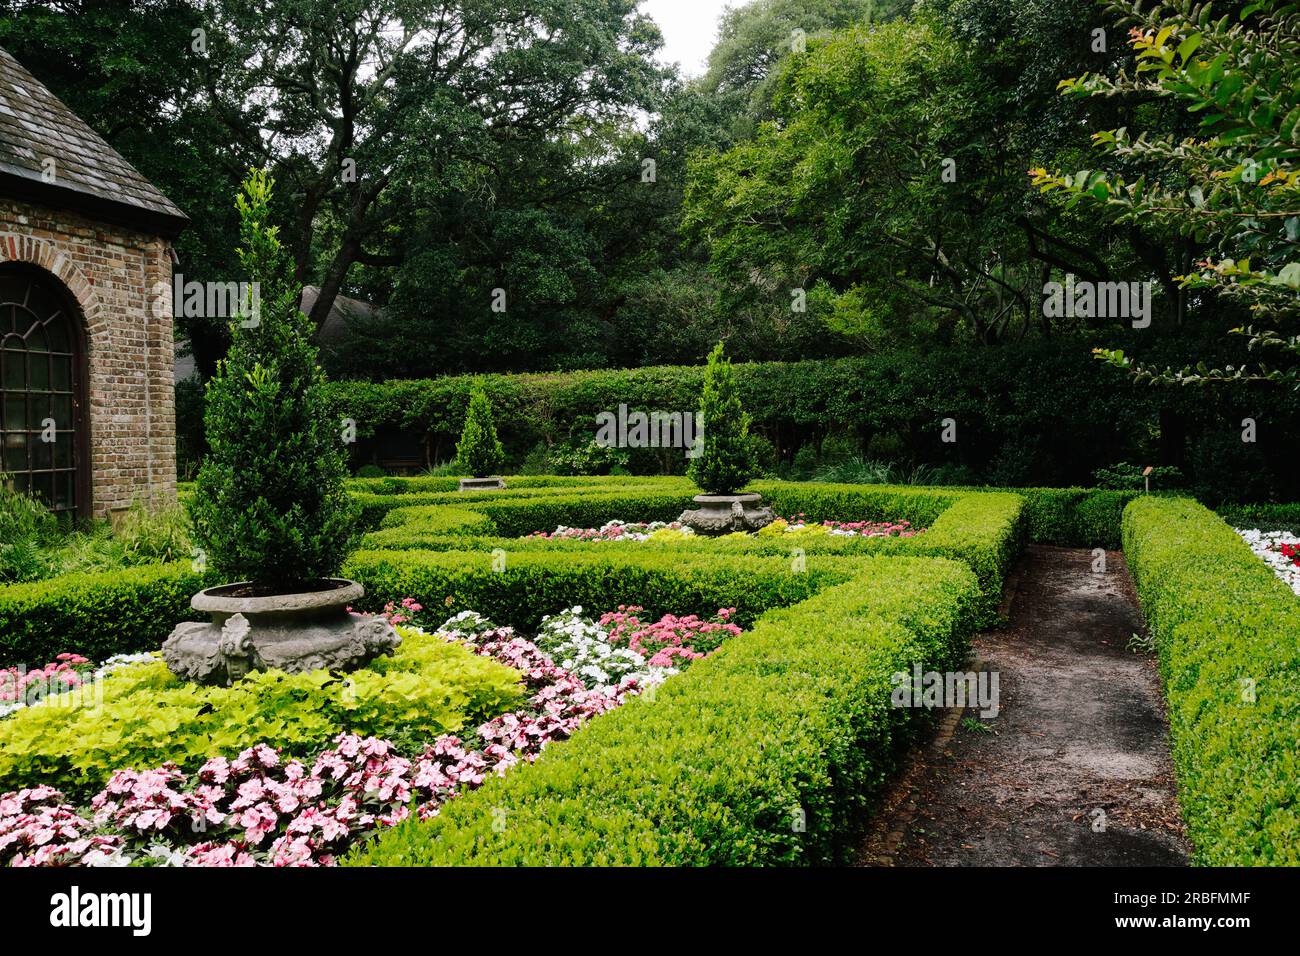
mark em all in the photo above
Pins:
pixel 670 640
pixel 65 671
pixel 260 810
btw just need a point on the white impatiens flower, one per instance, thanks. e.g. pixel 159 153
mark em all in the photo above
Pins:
pixel 583 647
pixel 466 622
pixel 1268 546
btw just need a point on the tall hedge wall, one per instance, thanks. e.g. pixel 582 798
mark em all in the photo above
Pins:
pixel 1036 414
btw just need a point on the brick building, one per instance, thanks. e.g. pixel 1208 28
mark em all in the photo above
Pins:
pixel 87 414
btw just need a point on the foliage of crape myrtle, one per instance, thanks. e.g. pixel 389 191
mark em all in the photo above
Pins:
pixel 478 451
pixel 1225 628
pixel 726 462
pixel 269 504
pixel 1232 189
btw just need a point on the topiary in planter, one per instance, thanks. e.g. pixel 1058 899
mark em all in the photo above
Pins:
pixel 269 505
pixel 478 452
pixel 726 462
pixel 269 508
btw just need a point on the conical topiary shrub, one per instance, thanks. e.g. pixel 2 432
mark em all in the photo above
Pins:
pixel 269 505
pixel 479 452
pixel 726 462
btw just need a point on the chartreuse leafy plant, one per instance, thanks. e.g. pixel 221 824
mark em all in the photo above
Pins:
pixel 478 451
pixel 1234 187
pixel 269 505
pixel 147 717
pixel 1225 629
pixel 725 464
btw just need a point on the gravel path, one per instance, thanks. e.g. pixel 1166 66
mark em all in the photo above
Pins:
pixel 1075 769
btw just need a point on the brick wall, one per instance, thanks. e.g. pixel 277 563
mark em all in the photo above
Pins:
pixel 112 272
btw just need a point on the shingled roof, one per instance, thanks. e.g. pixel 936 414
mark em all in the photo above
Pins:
pixel 90 176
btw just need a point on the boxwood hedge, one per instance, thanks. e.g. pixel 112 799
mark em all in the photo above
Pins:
pixel 766 753
pixel 99 614
pixel 981 529
pixel 1226 628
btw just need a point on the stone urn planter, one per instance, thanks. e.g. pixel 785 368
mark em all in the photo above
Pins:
pixel 299 632
pixel 482 484
pixel 723 514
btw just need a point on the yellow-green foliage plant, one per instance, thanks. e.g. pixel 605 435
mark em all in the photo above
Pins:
pixel 142 716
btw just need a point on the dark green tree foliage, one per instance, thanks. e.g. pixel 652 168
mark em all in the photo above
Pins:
pixel 270 506
pixel 130 69
pixel 478 451
pixel 726 463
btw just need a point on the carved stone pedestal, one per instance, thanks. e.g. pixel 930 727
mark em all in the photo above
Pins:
pixel 289 632
pixel 723 514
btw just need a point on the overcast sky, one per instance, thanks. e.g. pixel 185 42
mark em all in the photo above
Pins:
pixel 689 28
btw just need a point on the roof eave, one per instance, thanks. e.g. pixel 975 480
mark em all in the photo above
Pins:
pixel 152 222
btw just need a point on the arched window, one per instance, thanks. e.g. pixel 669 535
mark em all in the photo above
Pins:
pixel 43 440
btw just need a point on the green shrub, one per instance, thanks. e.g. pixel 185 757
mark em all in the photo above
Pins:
pixel 1225 628
pixel 269 503
pixel 478 451
pixel 725 462
pixel 534 583
pixel 981 529
pixel 767 753
pixel 1263 517
pixel 371 471
pixel 1033 410
pixel 98 614
pixel 1126 477
pixel 137 537
pixel 143 716
pixel 1074 517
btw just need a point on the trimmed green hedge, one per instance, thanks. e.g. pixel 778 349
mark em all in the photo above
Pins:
pixel 376 505
pixel 1226 628
pixel 1075 517
pixel 1031 414
pixel 1264 517
pixel 766 753
pixel 99 614
pixel 981 529
pixel 532 584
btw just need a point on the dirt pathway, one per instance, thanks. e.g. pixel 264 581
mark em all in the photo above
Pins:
pixel 1075 769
